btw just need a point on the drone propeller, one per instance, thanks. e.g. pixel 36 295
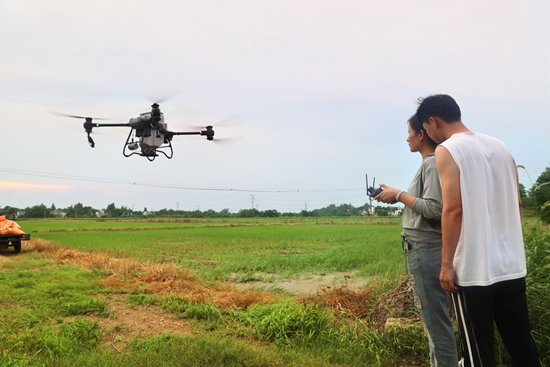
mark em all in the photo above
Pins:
pixel 226 124
pixel 232 121
pixel 76 117
pixel 159 95
pixel 88 124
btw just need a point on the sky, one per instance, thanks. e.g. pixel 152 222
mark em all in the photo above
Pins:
pixel 314 94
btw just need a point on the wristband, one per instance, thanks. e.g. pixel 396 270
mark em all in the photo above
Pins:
pixel 398 195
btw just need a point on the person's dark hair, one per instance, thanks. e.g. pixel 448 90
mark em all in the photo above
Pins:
pixel 438 105
pixel 417 126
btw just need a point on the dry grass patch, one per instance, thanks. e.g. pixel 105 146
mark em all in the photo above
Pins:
pixel 396 304
pixel 343 300
pixel 128 274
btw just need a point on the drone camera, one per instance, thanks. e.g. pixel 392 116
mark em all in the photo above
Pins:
pixel 133 146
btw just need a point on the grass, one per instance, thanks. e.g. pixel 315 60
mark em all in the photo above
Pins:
pixel 538 288
pixel 46 321
pixel 51 313
pixel 35 293
pixel 69 224
pixel 249 252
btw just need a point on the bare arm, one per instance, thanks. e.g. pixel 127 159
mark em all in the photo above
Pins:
pixel 451 218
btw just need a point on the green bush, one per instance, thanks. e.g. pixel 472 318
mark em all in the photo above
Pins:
pixel 84 306
pixel 202 311
pixel 286 321
pixel 541 194
pixel 537 244
pixel 71 338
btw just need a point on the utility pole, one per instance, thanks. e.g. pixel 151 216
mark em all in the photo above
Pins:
pixel 252 196
pixel 177 205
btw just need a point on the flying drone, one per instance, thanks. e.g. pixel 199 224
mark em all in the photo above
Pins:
pixel 148 135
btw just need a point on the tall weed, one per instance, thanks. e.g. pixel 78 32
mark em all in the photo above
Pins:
pixel 537 244
pixel 286 321
pixel 71 338
pixel 9 359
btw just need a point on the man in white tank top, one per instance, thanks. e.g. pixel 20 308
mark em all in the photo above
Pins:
pixel 483 257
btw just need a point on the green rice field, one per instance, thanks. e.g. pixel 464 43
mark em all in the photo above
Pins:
pixel 242 249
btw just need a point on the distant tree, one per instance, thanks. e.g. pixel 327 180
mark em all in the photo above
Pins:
pixel 9 209
pixel 248 213
pixel 526 200
pixel 210 213
pixel 541 195
pixel 37 211
pixel 111 208
pixel 196 214
pixel 383 212
pixel 224 213
pixel 52 207
pixel 271 213
pixel 344 210
pixel 113 211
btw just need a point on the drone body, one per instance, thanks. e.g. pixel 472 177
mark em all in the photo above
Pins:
pixel 149 128
pixel 149 134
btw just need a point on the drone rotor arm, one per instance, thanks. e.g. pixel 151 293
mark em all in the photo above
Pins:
pixel 209 133
pixel 112 125
pixel 186 133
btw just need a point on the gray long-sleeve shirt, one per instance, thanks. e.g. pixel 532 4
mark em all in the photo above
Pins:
pixel 421 223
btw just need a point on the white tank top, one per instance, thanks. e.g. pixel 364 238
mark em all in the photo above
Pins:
pixel 490 248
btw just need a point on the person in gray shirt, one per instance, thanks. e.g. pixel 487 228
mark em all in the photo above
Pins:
pixel 421 240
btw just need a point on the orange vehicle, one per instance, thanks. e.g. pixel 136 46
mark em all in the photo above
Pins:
pixel 11 234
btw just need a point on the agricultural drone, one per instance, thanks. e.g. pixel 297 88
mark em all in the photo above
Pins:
pixel 148 135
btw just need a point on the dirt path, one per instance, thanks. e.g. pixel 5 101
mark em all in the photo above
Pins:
pixel 310 285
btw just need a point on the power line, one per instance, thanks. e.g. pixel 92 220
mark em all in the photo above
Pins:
pixel 166 186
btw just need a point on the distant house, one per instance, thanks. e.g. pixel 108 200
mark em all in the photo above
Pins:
pixel 370 211
pixel 59 213
pixel 396 213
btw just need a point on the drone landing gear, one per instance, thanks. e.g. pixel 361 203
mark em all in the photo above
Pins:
pixel 147 152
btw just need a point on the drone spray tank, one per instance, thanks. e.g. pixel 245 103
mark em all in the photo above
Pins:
pixel 149 127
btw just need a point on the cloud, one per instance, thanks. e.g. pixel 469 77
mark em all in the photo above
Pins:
pixel 28 186
pixel 325 89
